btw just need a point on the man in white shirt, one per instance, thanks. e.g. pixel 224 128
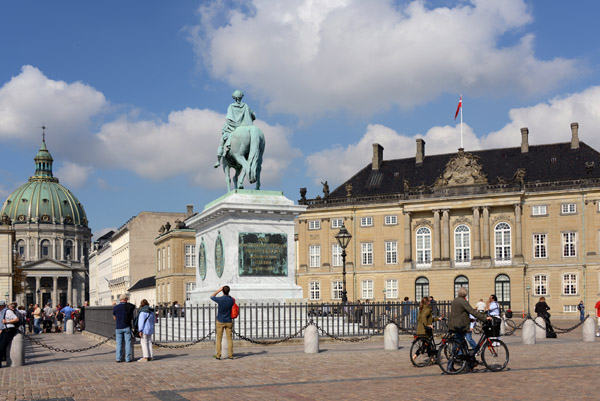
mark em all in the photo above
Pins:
pixel 480 305
pixel 8 319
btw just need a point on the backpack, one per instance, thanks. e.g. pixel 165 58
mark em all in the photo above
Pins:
pixel 235 310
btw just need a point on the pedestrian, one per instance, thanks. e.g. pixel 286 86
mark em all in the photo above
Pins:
pixel 48 318
pixel 37 318
pixel 405 311
pixel 224 321
pixel 58 317
pixel 480 306
pixel 542 308
pixel 425 322
pixel 123 315
pixel 30 318
pixel 67 312
pixel 145 325
pixel 434 308
pixel 23 317
pixel 581 309
pixel 82 316
pixel 9 320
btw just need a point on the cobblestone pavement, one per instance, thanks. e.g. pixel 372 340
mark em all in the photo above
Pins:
pixel 560 369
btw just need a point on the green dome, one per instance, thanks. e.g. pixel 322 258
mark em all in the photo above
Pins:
pixel 43 199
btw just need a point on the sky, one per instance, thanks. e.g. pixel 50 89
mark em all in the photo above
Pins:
pixel 133 94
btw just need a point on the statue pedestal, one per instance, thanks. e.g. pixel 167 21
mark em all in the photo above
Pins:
pixel 245 239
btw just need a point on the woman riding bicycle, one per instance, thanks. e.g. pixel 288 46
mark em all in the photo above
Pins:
pixel 425 320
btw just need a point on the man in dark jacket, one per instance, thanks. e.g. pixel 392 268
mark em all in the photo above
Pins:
pixel 224 321
pixel 123 315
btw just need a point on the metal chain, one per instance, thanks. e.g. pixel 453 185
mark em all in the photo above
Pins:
pixel 184 345
pixel 55 349
pixel 348 340
pixel 561 330
pixel 271 342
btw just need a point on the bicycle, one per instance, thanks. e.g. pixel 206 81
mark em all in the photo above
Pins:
pixel 423 351
pixel 509 326
pixel 454 355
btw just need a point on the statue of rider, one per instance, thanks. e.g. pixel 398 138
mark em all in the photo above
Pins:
pixel 239 114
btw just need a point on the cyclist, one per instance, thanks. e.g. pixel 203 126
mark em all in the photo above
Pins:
pixel 459 320
pixel 425 320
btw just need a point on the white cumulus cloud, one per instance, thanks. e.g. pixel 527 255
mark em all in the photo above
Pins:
pixel 73 175
pixel 310 57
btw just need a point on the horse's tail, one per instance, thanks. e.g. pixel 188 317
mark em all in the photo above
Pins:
pixel 256 150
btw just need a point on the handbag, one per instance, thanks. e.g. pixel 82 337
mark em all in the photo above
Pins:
pixel 235 310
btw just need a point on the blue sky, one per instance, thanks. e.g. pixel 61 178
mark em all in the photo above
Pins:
pixel 134 93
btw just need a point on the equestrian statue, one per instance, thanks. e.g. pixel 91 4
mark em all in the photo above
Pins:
pixel 242 145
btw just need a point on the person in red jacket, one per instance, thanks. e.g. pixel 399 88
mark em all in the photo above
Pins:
pixel 598 315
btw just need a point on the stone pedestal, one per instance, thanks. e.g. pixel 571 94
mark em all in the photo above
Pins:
pixel 529 332
pixel 311 340
pixel 390 337
pixel 245 239
pixel 540 327
pixel 589 330
pixel 70 327
pixel 15 355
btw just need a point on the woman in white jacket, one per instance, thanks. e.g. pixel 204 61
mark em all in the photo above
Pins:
pixel 145 323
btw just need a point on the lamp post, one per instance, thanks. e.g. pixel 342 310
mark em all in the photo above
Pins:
pixel 528 288
pixel 343 238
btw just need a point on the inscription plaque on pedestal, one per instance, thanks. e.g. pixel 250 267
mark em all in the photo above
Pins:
pixel 262 254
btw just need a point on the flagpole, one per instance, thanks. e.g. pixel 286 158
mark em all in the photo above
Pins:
pixel 461 128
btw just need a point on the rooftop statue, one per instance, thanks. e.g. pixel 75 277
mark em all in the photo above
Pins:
pixel 242 144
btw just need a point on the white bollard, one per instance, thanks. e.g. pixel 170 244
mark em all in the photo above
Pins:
pixel 70 327
pixel 589 330
pixel 15 356
pixel 529 332
pixel 540 328
pixel 224 345
pixel 311 340
pixel 390 337
pixel 502 328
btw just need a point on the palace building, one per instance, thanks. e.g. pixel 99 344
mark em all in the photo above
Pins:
pixel 520 222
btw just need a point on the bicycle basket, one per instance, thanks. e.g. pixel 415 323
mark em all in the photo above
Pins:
pixel 491 328
pixel 508 314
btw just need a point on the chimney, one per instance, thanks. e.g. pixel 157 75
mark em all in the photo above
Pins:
pixel 574 135
pixel 525 140
pixel 377 156
pixel 190 210
pixel 420 151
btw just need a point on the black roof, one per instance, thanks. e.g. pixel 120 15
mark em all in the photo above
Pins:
pixel 543 163
pixel 147 282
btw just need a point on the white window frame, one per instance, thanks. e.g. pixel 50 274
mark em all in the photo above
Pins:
pixel 569 284
pixel 539 210
pixel 336 255
pixel 189 287
pixel 337 288
pixel 314 224
pixel 462 245
pixel 390 220
pixel 423 247
pixel 163 254
pixel 391 288
pixel 366 221
pixel 314 290
pixel 570 309
pixel 568 208
pixel 540 246
pixel 367 289
pixel 569 244
pixel 540 284
pixel 366 253
pixel 337 223
pixel 314 255
pixel 391 252
pixel 168 256
pixel 190 255
pixel 502 248
pixel 158 260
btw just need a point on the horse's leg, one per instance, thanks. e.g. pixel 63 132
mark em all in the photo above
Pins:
pixel 244 168
pixel 235 179
pixel 227 177
pixel 258 178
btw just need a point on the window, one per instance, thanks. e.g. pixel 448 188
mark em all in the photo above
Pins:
pixel 502 241
pixel 391 289
pixel 540 284
pixel 461 281
pixel 367 289
pixel 189 287
pixel 190 256
pixel 164 258
pixel 421 288
pixel 158 259
pixel 391 252
pixel 68 250
pixel 390 220
pixel 569 244
pixel 423 246
pixel 538 210
pixel 315 255
pixel 366 253
pixel 168 292
pixel 337 223
pixel 569 308
pixel 503 290
pixel 169 257
pixel 314 225
pixel 540 245
pixel 569 284
pixel 315 290
pixel 336 255
pixel 337 288
pixel 462 245
pixel 21 248
pixel 45 249
pixel 366 221
pixel 568 208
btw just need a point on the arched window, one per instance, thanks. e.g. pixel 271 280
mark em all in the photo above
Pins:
pixel 502 241
pixel 45 249
pixel 421 288
pixel 502 287
pixel 423 246
pixel 461 281
pixel 21 249
pixel 68 250
pixel 462 245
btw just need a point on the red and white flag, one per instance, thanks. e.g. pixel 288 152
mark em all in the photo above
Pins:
pixel 458 108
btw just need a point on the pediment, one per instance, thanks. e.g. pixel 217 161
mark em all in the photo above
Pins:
pixel 462 169
pixel 47 264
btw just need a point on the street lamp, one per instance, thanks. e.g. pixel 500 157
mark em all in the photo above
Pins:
pixel 528 288
pixel 343 238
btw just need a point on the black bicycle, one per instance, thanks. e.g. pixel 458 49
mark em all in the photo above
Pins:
pixel 424 350
pixel 454 355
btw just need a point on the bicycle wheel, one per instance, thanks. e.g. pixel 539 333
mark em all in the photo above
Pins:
pixel 494 355
pixel 509 327
pixel 419 352
pixel 452 357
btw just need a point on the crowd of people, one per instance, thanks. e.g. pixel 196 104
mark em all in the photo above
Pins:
pixel 49 319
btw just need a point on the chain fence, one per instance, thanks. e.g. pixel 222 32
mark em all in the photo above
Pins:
pixel 56 349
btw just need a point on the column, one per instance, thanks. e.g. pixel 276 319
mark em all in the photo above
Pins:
pixel 407 238
pixel 486 233
pixel 69 290
pixel 53 244
pixel 519 231
pixel 436 235
pixel 445 234
pixel 35 291
pixel 54 291
pixel 476 239
pixel 75 250
pixel 62 249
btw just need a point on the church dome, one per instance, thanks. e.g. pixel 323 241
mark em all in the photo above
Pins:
pixel 42 199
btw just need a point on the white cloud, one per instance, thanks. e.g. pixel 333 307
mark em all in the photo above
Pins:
pixel 310 57
pixel 547 122
pixel 73 175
